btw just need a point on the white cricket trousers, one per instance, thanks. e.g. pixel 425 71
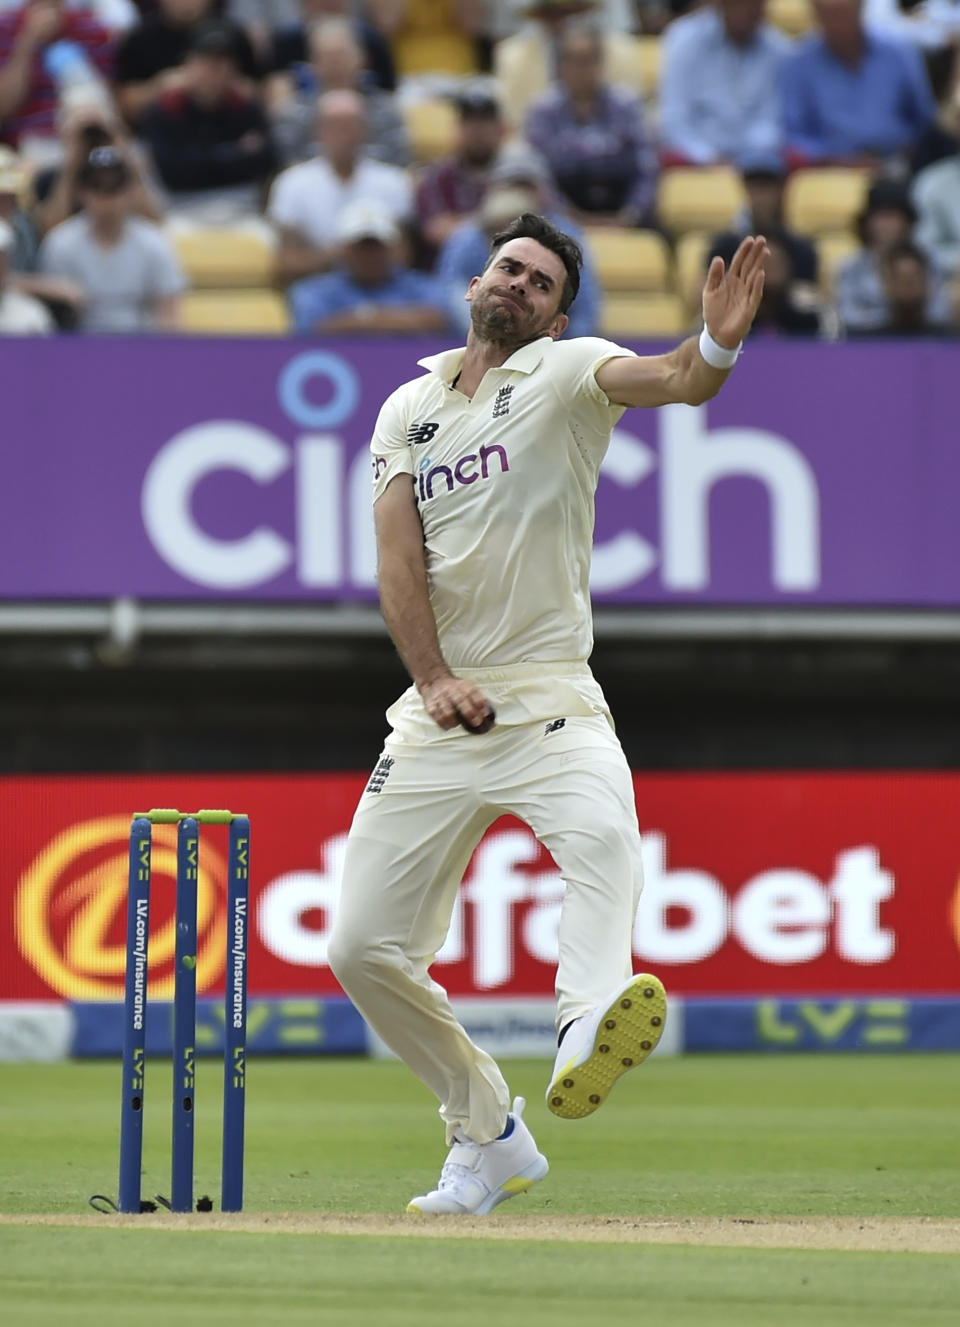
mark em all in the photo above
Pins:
pixel 423 813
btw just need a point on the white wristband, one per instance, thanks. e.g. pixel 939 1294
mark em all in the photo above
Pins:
pixel 716 355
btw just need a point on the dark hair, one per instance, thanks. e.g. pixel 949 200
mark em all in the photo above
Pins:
pixel 530 226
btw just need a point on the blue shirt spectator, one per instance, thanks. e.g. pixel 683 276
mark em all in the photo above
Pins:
pixel 593 137
pixel 850 94
pixel 467 250
pixel 369 291
pixel 719 95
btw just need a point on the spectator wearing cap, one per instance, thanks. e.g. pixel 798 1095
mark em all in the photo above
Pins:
pixel 210 140
pixel 151 57
pixel 519 183
pixel 126 266
pixel 908 287
pixel 719 95
pixel 936 196
pixel 452 189
pixel 336 63
pixel 280 30
pixel 307 201
pixel 887 219
pixel 29 94
pixel 852 95
pixel 370 290
pixel 20 313
pixel 764 179
pixel 593 137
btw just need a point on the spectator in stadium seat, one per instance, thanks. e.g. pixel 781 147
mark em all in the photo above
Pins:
pixel 936 196
pixel 280 29
pixel 851 95
pixel 764 179
pixel 942 138
pixel 151 57
pixel 785 308
pixel 62 297
pixel 431 36
pixel 28 90
pixel 370 290
pixel 20 313
pixel 450 190
pixel 887 220
pixel 337 63
pixel 719 85
pixel 525 62
pixel 908 287
pixel 126 266
pixel 308 200
pixel 519 183
pixel 593 137
pixel 210 139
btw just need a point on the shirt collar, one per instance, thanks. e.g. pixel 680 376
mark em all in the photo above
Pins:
pixel 448 363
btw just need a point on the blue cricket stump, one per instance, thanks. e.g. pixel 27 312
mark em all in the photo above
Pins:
pixel 185 1016
pixel 235 1017
pixel 135 1015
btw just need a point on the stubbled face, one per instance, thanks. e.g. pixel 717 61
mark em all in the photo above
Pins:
pixel 479 138
pixel 517 299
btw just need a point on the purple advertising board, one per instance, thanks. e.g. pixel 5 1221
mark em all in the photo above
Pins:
pixel 173 469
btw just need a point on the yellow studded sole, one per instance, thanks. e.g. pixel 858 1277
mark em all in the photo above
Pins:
pixel 628 1032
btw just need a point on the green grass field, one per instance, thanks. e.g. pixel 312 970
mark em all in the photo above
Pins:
pixel 667 1204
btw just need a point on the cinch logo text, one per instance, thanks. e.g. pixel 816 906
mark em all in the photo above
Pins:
pixel 464 471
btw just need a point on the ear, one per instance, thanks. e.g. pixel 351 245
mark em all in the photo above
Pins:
pixel 474 282
pixel 558 326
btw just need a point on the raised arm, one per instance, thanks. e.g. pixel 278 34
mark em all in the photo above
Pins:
pixel 699 367
pixel 405 604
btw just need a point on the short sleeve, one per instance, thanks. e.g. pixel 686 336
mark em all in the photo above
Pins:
pixel 578 361
pixel 283 206
pixel 390 451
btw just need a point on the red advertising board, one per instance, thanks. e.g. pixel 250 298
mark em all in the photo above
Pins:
pixel 772 884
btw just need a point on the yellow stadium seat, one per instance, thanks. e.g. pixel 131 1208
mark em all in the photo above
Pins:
pixel 699 198
pixel 432 126
pixel 692 250
pixel 235 313
pixel 794 17
pixel 645 316
pixel 638 65
pixel 630 259
pixel 832 250
pixel 225 258
pixel 825 198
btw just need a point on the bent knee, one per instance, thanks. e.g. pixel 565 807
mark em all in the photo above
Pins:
pixel 354 958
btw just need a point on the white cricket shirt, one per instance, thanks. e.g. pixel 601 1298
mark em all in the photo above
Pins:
pixel 505 484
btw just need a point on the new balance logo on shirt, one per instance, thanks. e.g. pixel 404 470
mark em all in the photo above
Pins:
pixel 554 726
pixel 420 433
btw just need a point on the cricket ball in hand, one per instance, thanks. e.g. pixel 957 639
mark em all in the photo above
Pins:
pixel 484 726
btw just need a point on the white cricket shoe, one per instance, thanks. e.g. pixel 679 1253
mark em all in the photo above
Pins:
pixel 476 1177
pixel 604 1044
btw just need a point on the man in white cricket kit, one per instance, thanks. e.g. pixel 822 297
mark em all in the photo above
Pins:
pixel 484 471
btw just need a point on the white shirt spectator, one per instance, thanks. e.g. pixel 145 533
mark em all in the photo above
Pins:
pixel 720 101
pixel 936 196
pixel 311 197
pixel 22 315
pixel 122 282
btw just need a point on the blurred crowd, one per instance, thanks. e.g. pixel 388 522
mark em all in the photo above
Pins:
pixel 339 166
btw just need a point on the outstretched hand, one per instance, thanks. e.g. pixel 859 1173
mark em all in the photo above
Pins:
pixel 731 296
